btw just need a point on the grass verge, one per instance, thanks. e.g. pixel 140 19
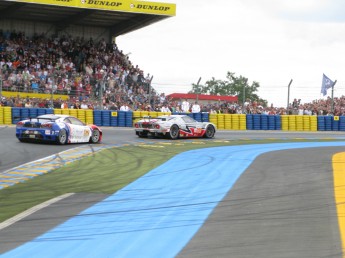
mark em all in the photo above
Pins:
pixel 105 172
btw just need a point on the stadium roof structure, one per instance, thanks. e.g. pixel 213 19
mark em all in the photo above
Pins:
pixel 118 16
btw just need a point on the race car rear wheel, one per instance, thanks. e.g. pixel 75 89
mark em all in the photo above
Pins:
pixel 62 137
pixel 95 136
pixel 174 132
pixel 142 134
pixel 210 131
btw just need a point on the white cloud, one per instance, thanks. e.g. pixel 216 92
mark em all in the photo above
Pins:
pixel 265 41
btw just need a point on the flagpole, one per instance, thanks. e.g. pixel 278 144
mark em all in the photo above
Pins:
pixel 288 98
pixel 332 105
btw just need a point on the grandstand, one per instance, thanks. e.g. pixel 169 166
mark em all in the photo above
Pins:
pixel 63 31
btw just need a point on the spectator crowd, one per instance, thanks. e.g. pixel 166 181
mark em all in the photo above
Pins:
pixel 97 75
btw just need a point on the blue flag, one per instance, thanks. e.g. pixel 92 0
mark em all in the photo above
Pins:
pixel 326 84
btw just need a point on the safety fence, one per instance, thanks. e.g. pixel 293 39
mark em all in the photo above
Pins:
pixel 11 115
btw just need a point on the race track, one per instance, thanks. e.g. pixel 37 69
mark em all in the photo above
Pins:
pixel 282 205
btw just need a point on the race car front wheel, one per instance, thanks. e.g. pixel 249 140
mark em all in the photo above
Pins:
pixel 62 137
pixel 210 131
pixel 95 136
pixel 174 132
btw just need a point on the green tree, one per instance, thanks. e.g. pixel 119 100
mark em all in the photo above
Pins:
pixel 233 86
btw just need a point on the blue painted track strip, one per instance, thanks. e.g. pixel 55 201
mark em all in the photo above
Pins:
pixel 159 213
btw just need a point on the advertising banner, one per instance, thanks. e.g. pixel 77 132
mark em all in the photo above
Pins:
pixel 112 5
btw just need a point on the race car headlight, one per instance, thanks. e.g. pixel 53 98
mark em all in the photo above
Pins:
pixel 157 126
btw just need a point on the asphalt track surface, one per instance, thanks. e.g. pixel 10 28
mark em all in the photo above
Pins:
pixel 281 206
pixel 14 153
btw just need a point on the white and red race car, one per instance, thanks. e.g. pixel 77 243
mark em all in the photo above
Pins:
pixel 174 127
pixel 56 128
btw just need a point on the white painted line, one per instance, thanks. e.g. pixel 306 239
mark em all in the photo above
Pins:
pixel 30 211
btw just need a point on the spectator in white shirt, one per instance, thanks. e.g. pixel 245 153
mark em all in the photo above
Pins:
pixel 84 105
pixel 165 108
pixel 185 106
pixel 125 107
pixel 196 107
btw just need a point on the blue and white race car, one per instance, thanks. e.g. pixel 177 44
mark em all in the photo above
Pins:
pixel 61 129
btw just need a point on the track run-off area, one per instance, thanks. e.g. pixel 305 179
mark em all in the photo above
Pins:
pixel 158 214
pixel 166 212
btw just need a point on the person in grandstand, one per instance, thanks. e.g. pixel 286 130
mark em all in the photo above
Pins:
pixel 84 105
pixel 196 107
pixel 165 108
pixel 125 107
pixel 185 106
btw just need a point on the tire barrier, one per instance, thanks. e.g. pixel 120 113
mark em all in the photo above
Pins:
pixel 1 115
pixel 129 119
pixel 221 121
pixel 11 115
pixel 264 122
pixel 16 115
pixel 321 123
pixel 235 122
pixel 249 122
pixel 97 117
pixel 121 118
pixel 278 122
pixel 342 123
pixel 5 115
pixel 313 123
pixel 113 118
pixel 106 117
pixel 197 116
pixel 271 123
pixel 205 117
pixel 229 121
pixel 25 113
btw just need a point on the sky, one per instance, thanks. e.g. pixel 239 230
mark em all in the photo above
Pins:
pixel 268 41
